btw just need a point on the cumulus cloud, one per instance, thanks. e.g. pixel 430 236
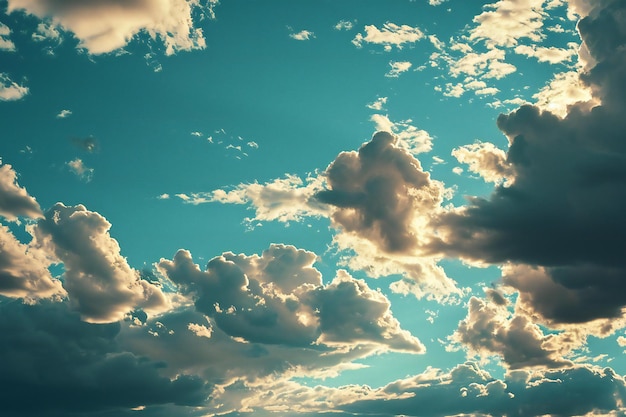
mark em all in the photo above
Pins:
pixel 563 213
pixel 278 298
pixel 564 90
pixel 377 193
pixel 489 329
pixel 10 90
pixel 408 137
pixel 377 104
pixel 344 25
pixel 24 270
pixel 389 35
pixel 467 389
pixel 106 26
pixel 14 199
pixel 100 284
pixel 65 113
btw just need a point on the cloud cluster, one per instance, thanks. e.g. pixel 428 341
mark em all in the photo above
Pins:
pixel 105 26
pixel 278 298
pixel 562 215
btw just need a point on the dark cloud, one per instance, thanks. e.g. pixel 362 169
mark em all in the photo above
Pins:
pixel 469 390
pixel 278 298
pixel 377 193
pixel 52 363
pixel 14 200
pixel 564 210
pixel 88 144
pixel 100 284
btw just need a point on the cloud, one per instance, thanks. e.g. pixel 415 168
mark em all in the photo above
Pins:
pixel 486 160
pixel 78 167
pixel 378 104
pixel 278 298
pixel 303 35
pixel 64 114
pixel 397 68
pixel 345 25
pixel 505 22
pixel 284 199
pixel 88 144
pixel 467 389
pixel 389 35
pixel 552 55
pixel 108 25
pixel 47 32
pixel 100 284
pixel 78 368
pixel 562 215
pixel 564 90
pixel 489 329
pixel 14 199
pixel 408 137
pixel 10 90
pixel 377 192
pixel 24 270
pixel 6 44
pixel 436 2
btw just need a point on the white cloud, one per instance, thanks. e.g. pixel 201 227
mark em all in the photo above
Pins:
pixel 389 35
pixel 303 35
pixel 6 44
pixel 344 25
pixel 436 2
pixel 564 90
pixel 14 199
pixel 10 90
pixel 78 167
pixel 409 137
pixel 46 32
pixel 486 160
pixel 378 104
pixel 100 284
pixel 507 21
pixel 553 55
pixel 108 25
pixel 397 68
pixel 64 114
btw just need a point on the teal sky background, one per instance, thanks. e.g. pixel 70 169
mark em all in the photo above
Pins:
pixel 254 105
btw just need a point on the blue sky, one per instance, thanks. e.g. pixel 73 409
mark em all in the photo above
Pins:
pixel 355 208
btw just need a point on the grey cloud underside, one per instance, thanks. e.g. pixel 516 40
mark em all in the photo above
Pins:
pixel 468 390
pixel 564 213
pixel 14 200
pixel 249 297
pixel 77 367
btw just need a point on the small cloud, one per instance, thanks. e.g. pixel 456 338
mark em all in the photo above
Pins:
pixel 253 144
pixel 64 113
pixel 78 167
pixel 436 2
pixel 389 35
pixel 457 170
pixel 196 133
pixel 163 196
pixel 345 25
pixel 377 105
pixel 88 144
pixel 303 35
pixel 397 68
